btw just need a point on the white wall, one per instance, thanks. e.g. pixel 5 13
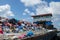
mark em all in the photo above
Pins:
pixel 42 18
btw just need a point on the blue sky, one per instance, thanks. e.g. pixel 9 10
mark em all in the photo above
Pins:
pixel 17 7
pixel 24 9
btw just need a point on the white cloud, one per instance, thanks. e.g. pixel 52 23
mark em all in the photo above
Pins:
pixel 27 12
pixel 5 11
pixel 24 13
pixel 56 7
pixel 30 2
pixel 41 11
pixel 9 13
pixel 56 13
pixel 4 7
pixel 42 8
pixel 32 13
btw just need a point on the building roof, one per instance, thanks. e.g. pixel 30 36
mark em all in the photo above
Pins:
pixel 50 14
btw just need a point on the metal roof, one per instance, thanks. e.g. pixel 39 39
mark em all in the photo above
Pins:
pixel 50 14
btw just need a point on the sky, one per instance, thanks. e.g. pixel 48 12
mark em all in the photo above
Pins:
pixel 24 9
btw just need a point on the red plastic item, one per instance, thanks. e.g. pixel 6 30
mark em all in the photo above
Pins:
pixel 21 36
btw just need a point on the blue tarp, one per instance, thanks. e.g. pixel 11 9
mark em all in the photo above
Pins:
pixel 48 23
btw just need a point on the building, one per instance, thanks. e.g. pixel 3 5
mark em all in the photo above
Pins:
pixel 44 19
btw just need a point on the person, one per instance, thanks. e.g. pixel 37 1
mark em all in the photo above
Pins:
pixel 34 27
pixel 1 31
pixel 19 27
pixel 6 28
pixel 16 28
